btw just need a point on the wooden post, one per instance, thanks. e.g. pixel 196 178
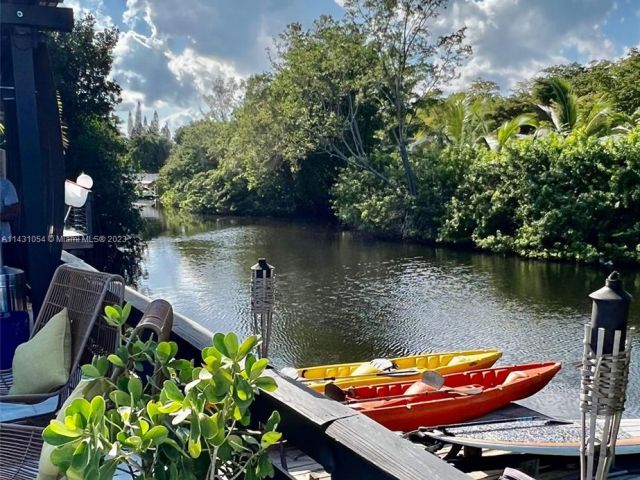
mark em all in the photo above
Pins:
pixel 33 135
pixel 32 185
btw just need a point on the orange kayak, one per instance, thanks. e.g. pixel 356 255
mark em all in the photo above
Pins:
pixel 406 406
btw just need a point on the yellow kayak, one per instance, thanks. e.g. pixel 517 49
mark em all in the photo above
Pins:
pixel 403 369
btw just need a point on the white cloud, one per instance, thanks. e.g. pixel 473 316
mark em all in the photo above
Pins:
pixel 199 70
pixel 514 39
pixel 169 51
pixel 172 52
pixel 93 7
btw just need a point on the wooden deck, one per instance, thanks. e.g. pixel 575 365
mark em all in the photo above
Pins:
pixel 300 466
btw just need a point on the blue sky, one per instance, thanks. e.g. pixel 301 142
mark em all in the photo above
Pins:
pixel 170 50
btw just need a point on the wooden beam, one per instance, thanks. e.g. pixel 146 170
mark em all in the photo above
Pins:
pixel 52 194
pixel 36 16
pixel 32 172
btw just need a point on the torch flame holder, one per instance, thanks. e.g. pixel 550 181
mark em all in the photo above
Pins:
pixel 603 392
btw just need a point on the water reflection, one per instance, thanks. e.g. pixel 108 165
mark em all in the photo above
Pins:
pixel 341 297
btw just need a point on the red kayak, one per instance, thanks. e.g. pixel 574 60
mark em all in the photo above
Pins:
pixel 407 406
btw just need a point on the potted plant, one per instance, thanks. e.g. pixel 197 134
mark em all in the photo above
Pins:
pixel 161 417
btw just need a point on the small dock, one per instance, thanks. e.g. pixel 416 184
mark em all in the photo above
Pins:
pixel 147 185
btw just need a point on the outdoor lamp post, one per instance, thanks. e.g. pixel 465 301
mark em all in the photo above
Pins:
pixel 262 296
pixel 605 370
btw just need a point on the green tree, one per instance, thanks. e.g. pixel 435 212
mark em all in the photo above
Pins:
pixel 224 97
pixel 198 147
pixel 509 130
pixel 409 59
pixel 148 152
pixel 325 85
pixel 81 63
pixel 625 90
pixel 460 120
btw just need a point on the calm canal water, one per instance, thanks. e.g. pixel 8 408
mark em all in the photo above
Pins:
pixel 341 297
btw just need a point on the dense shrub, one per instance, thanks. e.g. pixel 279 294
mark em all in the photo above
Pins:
pixel 575 198
pixel 566 198
pixel 364 201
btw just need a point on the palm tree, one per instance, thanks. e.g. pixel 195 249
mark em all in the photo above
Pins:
pixel 509 130
pixel 626 122
pixel 459 120
pixel 568 113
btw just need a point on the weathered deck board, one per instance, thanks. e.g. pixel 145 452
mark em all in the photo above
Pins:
pixel 348 444
pixel 299 466
pixel 399 458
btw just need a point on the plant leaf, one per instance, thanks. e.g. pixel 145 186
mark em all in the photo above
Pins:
pixel 157 434
pixel 248 345
pixel 218 343
pixel 231 342
pixel 267 384
pixel 172 391
pixel 270 438
pixel 135 388
pixel 116 360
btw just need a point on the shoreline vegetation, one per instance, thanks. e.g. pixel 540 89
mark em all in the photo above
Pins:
pixel 355 122
pixel 550 172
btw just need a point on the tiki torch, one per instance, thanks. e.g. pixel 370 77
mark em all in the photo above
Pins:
pixel 605 372
pixel 262 296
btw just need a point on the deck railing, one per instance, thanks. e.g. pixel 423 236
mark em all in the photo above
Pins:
pixel 346 443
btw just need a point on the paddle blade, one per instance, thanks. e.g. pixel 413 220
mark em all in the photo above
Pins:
pixel 334 392
pixel 382 364
pixel 290 372
pixel 433 379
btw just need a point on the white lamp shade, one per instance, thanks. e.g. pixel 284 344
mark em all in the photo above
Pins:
pixel 74 195
pixel 85 181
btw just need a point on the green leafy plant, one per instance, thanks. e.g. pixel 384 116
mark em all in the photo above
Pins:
pixel 162 417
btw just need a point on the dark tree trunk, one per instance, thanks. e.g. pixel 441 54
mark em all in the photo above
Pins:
pixel 408 171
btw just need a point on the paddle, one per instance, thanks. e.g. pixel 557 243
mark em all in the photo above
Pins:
pixel 430 378
pixel 468 391
pixel 433 379
pixel 293 373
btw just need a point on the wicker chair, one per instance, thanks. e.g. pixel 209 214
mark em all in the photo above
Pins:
pixel 85 294
pixel 21 445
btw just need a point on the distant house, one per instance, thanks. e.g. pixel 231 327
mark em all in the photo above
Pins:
pixel 147 185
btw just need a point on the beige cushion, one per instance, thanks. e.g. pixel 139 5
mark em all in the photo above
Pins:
pixel 42 364
pixel 46 469
pixel 458 359
pixel 366 369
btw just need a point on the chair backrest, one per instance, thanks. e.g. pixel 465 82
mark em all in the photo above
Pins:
pixel 84 293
